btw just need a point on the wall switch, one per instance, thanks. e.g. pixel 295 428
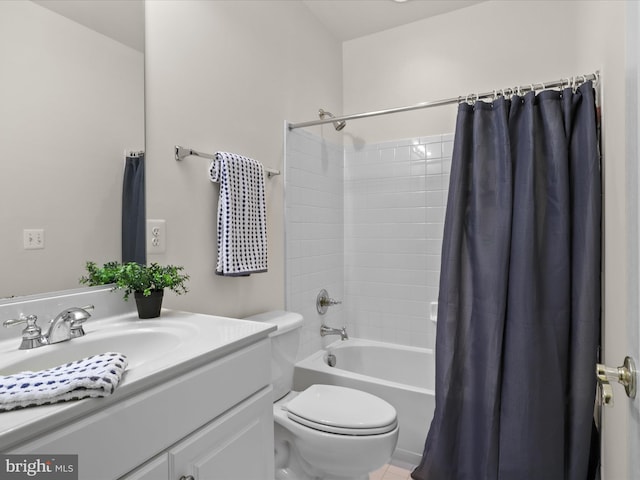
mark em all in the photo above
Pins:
pixel 33 238
pixel 156 236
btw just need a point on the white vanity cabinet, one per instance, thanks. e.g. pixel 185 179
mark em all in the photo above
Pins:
pixel 236 446
pixel 211 422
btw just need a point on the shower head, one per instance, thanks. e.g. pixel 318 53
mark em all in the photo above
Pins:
pixel 337 125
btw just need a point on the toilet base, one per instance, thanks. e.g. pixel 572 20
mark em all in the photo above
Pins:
pixel 293 451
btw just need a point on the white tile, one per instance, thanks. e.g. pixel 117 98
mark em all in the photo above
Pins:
pixel 447 149
pixel 373 156
pixel 446 165
pixel 433 150
pixel 434 198
pixel 373 229
pixel 417 152
pixel 434 230
pixel 387 155
pixel 403 153
pixel 435 215
pixel 418 168
pixel 434 182
pixel 434 167
pixel 445 181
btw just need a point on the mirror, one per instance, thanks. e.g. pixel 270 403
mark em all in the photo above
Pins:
pixel 72 96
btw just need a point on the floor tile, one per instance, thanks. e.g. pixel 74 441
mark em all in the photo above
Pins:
pixel 390 472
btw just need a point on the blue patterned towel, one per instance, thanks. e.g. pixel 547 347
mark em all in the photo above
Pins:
pixel 95 376
pixel 242 215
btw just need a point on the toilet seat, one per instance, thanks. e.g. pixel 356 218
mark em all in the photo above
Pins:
pixel 341 410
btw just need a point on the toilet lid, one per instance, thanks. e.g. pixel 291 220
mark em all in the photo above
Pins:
pixel 334 409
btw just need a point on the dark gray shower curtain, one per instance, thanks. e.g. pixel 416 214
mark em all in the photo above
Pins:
pixel 133 211
pixel 519 301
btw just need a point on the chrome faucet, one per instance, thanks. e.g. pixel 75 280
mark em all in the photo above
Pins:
pixel 324 331
pixel 66 325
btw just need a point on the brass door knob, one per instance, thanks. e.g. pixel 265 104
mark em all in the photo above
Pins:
pixel 624 374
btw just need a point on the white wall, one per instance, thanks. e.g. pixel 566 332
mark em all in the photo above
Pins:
pixel 491 45
pixel 71 102
pixel 495 45
pixel 225 75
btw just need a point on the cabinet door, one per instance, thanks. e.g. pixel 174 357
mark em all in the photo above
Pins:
pixel 236 446
pixel 156 469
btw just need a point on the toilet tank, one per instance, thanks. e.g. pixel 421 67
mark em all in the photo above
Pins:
pixel 284 348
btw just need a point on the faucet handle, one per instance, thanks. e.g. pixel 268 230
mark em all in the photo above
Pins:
pixel 323 301
pixel 17 321
pixel 78 315
pixel 31 335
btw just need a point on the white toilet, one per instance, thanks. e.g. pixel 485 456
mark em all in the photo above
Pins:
pixel 325 432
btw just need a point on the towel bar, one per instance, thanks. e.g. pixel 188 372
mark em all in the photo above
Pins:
pixel 181 153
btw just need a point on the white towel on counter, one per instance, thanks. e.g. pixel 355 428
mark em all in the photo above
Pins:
pixel 242 215
pixel 95 376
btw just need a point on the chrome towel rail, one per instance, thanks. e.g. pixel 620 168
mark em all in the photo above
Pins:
pixel 181 153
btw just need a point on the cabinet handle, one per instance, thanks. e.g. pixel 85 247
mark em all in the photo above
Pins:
pixel 186 477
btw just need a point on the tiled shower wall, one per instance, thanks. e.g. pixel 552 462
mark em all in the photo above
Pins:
pixel 370 233
pixel 395 198
pixel 314 220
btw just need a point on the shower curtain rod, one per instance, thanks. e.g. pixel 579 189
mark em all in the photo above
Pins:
pixel 563 82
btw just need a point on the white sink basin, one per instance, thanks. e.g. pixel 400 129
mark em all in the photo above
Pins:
pixel 140 342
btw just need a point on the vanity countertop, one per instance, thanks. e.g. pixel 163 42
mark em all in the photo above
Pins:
pixel 158 350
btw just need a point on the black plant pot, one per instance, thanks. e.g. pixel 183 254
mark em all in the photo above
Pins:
pixel 150 306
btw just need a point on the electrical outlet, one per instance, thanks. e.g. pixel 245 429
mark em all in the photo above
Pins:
pixel 33 238
pixel 156 236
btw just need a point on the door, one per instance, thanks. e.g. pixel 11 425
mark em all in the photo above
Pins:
pixel 621 155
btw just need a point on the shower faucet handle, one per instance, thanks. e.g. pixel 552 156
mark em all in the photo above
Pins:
pixel 323 302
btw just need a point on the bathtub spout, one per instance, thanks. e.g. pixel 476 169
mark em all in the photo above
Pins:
pixel 324 331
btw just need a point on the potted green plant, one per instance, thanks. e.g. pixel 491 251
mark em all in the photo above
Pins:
pixel 146 282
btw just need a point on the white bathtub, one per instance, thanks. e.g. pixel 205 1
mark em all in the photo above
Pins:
pixel 403 376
